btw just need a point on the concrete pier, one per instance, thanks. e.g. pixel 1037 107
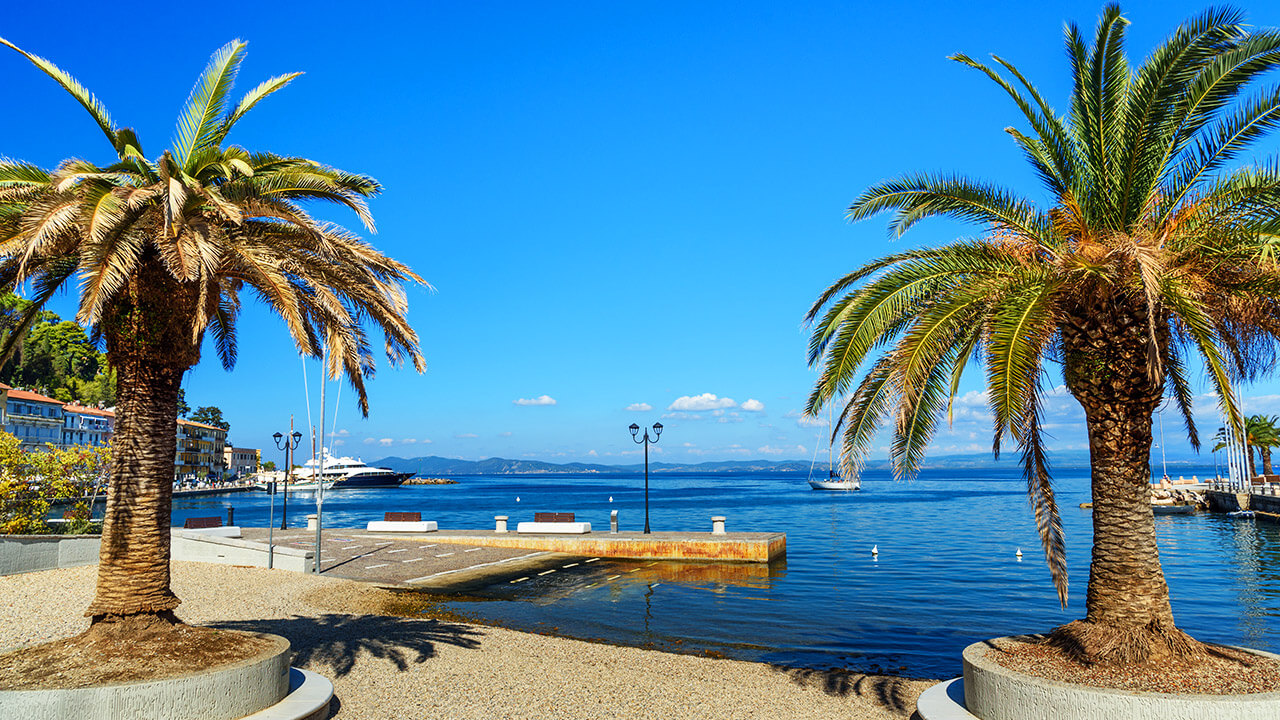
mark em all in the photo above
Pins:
pixel 1265 505
pixel 726 547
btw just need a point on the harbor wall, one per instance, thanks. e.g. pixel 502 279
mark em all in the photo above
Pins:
pixel 32 553
pixel 199 547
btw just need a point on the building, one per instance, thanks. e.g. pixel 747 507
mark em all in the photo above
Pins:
pixel 33 418
pixel 200 451
pixel 83 425
pixel 241 461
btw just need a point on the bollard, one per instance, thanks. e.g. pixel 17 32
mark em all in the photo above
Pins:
pixel 717 525
pixel 501 521
pixel 311 522
pixel 613 522
pixel 231 515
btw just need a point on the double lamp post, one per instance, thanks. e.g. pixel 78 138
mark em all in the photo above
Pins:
pixel 657 431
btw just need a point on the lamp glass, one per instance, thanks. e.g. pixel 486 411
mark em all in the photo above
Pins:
pixel 657 428
pixel 277 436
pixel 634 428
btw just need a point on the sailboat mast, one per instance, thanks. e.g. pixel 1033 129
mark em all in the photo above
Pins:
pixel 324 383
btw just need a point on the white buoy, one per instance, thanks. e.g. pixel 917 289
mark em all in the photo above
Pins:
pixel 517 498
pixel 1019 554
pixel 610 498
pixel 875 549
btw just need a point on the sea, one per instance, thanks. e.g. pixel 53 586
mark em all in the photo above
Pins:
pixel 946 573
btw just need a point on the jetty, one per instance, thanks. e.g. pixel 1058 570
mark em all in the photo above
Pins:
pixel 725 547
pixel 447 557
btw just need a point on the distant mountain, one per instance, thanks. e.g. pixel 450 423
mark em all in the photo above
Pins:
pixel 435 465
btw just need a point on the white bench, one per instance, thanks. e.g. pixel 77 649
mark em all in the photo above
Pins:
pixel 402 526
pixel 227 531
pixel 568 528
pixel 411 522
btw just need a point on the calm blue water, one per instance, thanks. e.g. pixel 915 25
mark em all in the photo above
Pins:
pixel 946 574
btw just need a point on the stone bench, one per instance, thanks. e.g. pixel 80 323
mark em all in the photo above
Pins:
pixel 559 523
pixel 402 522
pixel 211 526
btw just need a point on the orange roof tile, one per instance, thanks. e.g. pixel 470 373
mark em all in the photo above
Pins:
pixel 86 410
pixel 32 397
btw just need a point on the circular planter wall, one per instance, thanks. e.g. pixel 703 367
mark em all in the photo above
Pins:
pixel 229 692
pixel 993 692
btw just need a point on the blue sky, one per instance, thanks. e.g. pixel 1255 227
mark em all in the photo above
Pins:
pixel 625 209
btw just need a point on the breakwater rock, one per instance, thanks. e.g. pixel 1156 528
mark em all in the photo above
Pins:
pixel 430 481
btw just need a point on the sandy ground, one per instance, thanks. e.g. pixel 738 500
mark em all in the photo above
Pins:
pixel 390 667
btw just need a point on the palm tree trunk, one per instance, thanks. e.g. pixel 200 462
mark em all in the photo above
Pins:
pixel 149 343
pixel 1128 617
pixel 1266 460
pixel 133 563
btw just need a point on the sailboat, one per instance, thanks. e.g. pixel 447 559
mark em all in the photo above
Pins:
pixel 833 481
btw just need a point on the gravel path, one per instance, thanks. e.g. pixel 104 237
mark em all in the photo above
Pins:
pixel 387 667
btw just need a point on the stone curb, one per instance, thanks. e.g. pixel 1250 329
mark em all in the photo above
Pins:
pixel 308 699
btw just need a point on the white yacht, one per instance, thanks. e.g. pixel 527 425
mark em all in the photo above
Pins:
pixel 349 472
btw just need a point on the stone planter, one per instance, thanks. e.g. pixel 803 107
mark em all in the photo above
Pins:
pixel 993 692
pixel 229 692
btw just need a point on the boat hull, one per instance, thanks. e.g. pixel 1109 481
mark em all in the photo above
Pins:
pixel 380 480
pixel 854 484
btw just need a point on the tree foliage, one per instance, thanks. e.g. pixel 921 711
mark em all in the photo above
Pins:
pixel 55 357
pixel 31 480
pixel 210 415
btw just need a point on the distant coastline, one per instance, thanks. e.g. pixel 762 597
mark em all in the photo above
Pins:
pixel 436 466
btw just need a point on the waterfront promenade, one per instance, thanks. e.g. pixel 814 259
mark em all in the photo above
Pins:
pixel 385 666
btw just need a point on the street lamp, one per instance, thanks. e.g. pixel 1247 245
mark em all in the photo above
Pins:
pixel 657 431
pixel 287 443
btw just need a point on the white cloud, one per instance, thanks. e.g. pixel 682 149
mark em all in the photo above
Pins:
pixel 688 444
pixel 466 436
pixel 409 441
pixel 540 400
pixel 681 416
pixel 592 453
pixel 639 407
pixel 386 442
pixel 808 421
pixel 342 433
pixel 786 450
pixel 728 418
pixel 370 441
pixel 705 401
pixel 425 441
pixel 339 442
pixel 753 405
pixel 505 434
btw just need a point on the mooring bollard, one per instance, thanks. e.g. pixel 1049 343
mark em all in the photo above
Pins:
pixel 717 525
pixel 311 522
pixel 231 515
pixel 501 521
pixel 613 522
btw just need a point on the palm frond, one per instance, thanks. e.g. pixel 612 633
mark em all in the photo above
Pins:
pixel 82 95
pixel 251 98
pixel 200 119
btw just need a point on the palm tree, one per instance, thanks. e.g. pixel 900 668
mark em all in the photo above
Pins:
pixel 1147 256
pixel 161 250
pixel 1260 432
pixel 1263 433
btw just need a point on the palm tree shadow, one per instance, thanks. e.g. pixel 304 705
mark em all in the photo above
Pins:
pixel 336 640
pixel 895 694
